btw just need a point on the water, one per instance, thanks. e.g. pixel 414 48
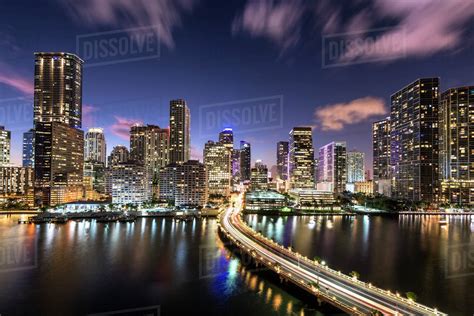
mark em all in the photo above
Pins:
pixel 82 268
pixel 405 253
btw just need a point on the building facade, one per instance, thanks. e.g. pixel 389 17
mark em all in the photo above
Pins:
pixel 217 159
pixel 245 161
pixel 184 184
pixel 130 183
pixel 95 147
pixel 456 146
pixel 301 158
pixel 332 167
pixel 282 160
pixel 28 155
pixel 381 157
pixel 355 166
pixel 414 148
pixel 226 137
pixel 18 183
pixel 119 154
pixel 5 144
pixel 259 177
pixel 180 136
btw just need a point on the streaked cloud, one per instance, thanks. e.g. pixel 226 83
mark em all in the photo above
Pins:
pixel 334 117
pixel 278 21
pixel 122 125
pixel 14 80
pixel 163 14
pixel 89 118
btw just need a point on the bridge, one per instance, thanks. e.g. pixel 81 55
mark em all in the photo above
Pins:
pixel 342 291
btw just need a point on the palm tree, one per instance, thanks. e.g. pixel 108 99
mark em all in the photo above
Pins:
pixel 411 296
pixel 355 274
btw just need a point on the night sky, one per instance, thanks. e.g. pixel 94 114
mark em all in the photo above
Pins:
pixel 225 52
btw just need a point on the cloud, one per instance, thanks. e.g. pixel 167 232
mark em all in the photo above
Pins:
pixel 163 14
pixel 335 117
pixel 12 79
pixel 278 21
pixel 122 125
pixel 88 117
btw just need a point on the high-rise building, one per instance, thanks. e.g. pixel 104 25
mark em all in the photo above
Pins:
pixel 282 160
pixel 59 144
pixel 58 89
pixel 149 145
pixel 217 159
pixel 94 179
pixel 414 141
pixel 95 147
pixel 180 137
pixel 130 183
pixel 5 143
pixel 355 166
pixel 333 167
pixel 59 163
pixel 119 154
pixel 259 176
pixel 236 166
pixel 226 137
pixel 456 146
pixel 17 182
pixel 381 157
pixel 245 161
pixel 28 157
pixel 184 184
pixel 301 158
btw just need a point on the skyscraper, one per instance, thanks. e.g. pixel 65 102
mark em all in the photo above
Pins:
pixel 5 140
pixel 28 157
pixel 381 156
pixel 259 176
pixel 355 166
pixel 301 158
pixel 414 141
pixel 282 160
pixel 245 160
pixel 456 146
pixel 58 89
pixel 180 137
pixel 95 147
pixel 226 137
pixel 332 167
pixel 217 159
pixel 130 183
pixel 59 144
pixel 119 154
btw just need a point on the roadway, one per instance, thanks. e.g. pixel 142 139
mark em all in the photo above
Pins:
pixel 343 291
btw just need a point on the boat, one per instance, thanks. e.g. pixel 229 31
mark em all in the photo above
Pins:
pixel 59 220
pixel 107 219
pixel 38 220
pixel 127 218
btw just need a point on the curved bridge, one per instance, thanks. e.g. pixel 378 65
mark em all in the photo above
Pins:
pixel 346 293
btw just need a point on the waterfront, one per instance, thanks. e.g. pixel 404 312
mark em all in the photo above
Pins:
pixel 398 253
pixel 84 267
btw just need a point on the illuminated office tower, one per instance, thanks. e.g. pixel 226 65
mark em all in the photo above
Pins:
pixel 130 183
pixel 332 167
pixel 355 166
pixel 414 141
pixel 235 167
pixel 180 137
pixel 17 182
pixel 59 144
pixel 259 176
pixel 282 160
pixel 456 146
pixel 226 137
pixel 5 143
pixel 217 159
pixel 381 157
pixel 58 89
pixel 301 158
pixel 28 156
pixel 245 161
pixel 119 154
pixel 95 147
pixel 184 184
pixel 149 146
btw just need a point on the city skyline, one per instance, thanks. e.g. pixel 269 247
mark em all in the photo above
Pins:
pixel 111 104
